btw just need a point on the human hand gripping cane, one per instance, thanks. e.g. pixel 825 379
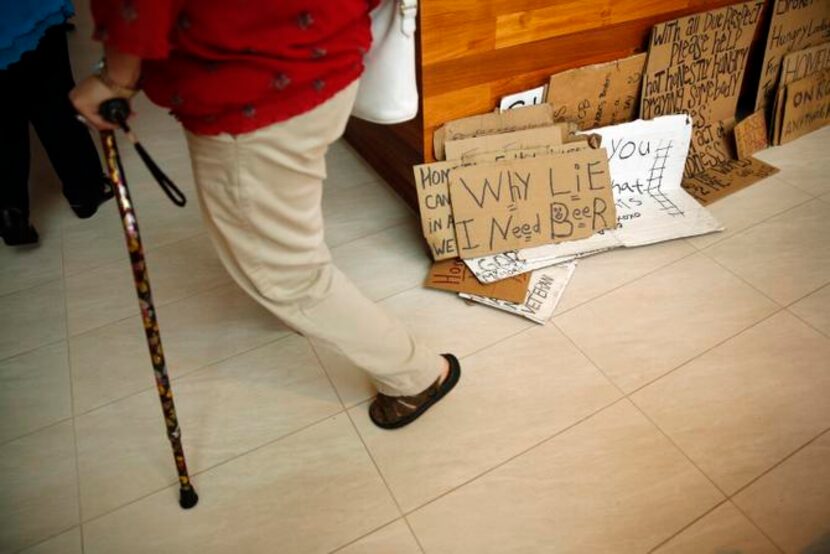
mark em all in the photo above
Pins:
pixel 116 111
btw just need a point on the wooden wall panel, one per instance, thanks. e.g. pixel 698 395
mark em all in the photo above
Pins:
pixel 574 16
pixel 473 52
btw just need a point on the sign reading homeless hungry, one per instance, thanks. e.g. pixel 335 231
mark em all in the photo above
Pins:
pixel 522 203
pixel 795 24
pixel 696 66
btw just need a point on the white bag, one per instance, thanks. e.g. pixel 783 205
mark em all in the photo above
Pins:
pixel 388 91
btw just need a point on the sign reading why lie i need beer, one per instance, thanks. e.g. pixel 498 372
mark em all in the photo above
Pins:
pixel 521 203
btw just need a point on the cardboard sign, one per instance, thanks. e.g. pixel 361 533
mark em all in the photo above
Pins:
pixel 646 160
pixel 454 275
pixel 514 140
pixel 598 95
pixel 795 25
pixel 543 294
pixel 489 269
pixel 522 203
pixel 802 63
pixel 530 97
pixel 796 66
pixel 524 153
pixel 432 184
pixel 731 176
pixel 491 124
pixel 751 135
pixel 807 106
pixel 696 66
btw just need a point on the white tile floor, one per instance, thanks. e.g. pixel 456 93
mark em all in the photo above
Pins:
pixel 678 402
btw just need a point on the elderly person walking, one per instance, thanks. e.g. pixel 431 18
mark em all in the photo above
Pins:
pixel 262 89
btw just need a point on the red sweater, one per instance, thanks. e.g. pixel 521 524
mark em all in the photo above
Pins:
pixel 233 67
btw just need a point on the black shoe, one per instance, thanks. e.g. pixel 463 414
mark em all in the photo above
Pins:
pixel 85 210
pixel 15 228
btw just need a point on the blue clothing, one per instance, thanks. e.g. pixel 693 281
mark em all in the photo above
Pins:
pixel 23 23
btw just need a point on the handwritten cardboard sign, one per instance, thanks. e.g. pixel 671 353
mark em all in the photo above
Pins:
pixel 520 203
pixel 523 153
pixel 751 135
pixel 530 97
pixel 432 183
pixel 598 95
pixel 646 160
pixel 514 140
pixel 795 66
pixel 543 294
pixel 717 182
pixel 454 275
pixel 492 123
pixel 807 106
pixel 795 25
pixel 696 66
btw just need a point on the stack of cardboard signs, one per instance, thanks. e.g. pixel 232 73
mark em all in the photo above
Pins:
pixel 520 195
pixel 511 180
pixel 696 66
pixel 802 103
pixel 794 27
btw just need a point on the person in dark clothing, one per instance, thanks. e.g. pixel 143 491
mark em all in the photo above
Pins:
pixel 33 89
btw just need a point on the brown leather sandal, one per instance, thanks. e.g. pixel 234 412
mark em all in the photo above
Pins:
pixel 393 412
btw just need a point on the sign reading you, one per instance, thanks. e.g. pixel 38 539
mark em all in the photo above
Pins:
pixel 696 66
pixel 521 203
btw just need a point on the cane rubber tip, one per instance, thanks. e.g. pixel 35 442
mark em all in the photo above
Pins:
pixel 188 498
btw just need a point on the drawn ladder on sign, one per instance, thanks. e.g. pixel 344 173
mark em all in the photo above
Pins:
pixel 655 181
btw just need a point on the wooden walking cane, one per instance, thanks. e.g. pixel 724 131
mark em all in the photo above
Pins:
pixel 116 111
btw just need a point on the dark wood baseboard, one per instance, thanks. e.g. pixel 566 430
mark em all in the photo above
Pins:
pixel 389 153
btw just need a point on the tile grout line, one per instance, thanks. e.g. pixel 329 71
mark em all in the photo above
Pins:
pixel 174 482
pixel 136 393
pixel 626 283
pixel 515 456
pixel 756 526
pixel 787 180
pixel 749 227
pixel 346 411
pixel 52 536
pixel 368 234
pixel 368 453
pixel 149 248
pixel 185 375
pixel 706 351
pixel 659 429
pixel 363 536
pixel 687 526
pixel 727 497
pixel 590 360
pixel 80 513
pixel 805 322
pixel 778 463
pixel 730 497
pixel 742 279
pixel 170 302
pixel 383 479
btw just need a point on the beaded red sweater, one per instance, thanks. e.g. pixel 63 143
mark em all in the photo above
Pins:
pixel 234 67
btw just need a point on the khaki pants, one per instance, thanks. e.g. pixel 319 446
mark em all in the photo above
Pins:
pixel 260 195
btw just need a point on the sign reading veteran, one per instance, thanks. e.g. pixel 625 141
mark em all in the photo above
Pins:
pixel 522 203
